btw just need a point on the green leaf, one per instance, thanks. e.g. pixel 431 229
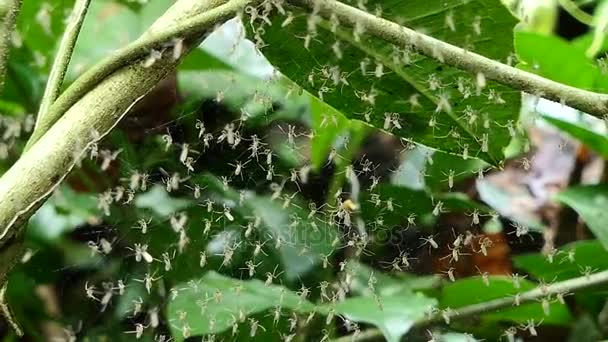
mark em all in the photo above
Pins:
pixel 158 201
pixel 328 124
pixel 595 141
pixel 590 202
pixel 394 204
pixel 40 24
pixel 386 284
pixel 567 263
pixel 531 48
pixel 214 302
pixel 424 168
pixel 98 39
pixel 474 290
pixel 394 315
pixel 303 242
pixel 252 98
pixel 62 213
pixel 392 76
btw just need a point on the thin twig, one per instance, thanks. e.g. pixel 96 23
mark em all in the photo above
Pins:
pixel 576 12
pixel 549 292
pixel 590 102
pixel 64 55
pixel 192 27
pixel 9 9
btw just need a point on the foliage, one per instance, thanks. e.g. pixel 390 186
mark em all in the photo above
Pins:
pixel 297 178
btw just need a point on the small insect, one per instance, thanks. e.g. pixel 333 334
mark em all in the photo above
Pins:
pixel 200 126
pixel 480 82
pixel 288 20
pixel 139 330
pixel 450 273
pixel 276 315
pixel 120 286
pixel 484 276
pixel 141 252
pixel 253 327
pixel 251 266
pixel 477 25
pixel 510 334
pixel 107 296
pixel 438 209
pixel 106 246
pixel 379 71
pixel 137 305
pixel 90 291
pixel 484 244
pixel 531 327
pixel 546 305
pixel 271 276
pixel 168 139
pixel 238 168
pixel 227 213
pixel 152 58
pixel 411 220
pixel 517 299
pixel 148 281
pixel 337 50
pixel 389 204
pixel 178 48
pixel 430 240
pixel 184 153
pixel 167 260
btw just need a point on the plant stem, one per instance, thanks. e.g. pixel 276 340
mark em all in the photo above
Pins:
pixel 576 12
pixel 548 292
pixel 64 55
pixel 593 103
pixel 193 26
pixel 32 179
pixel 9 9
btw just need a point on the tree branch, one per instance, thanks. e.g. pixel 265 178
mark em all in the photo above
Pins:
pixel 189 27
pixel 540 292
pixel 64 55
pixel 593 103
pixel 27 184
pixel 9 9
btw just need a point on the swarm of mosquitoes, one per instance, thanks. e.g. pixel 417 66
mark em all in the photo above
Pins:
pixel 260 156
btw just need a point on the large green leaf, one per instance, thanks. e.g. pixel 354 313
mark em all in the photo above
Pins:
pixel 371 80
pixel 590 202
pixel 213 303
pixel 474 290
pixel 394 315
pixel 595 141
pixel 302 240
pixel 567 263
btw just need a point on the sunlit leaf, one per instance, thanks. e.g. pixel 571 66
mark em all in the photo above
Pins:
pixel 214 302
pixel 566 263
pixel 474 290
